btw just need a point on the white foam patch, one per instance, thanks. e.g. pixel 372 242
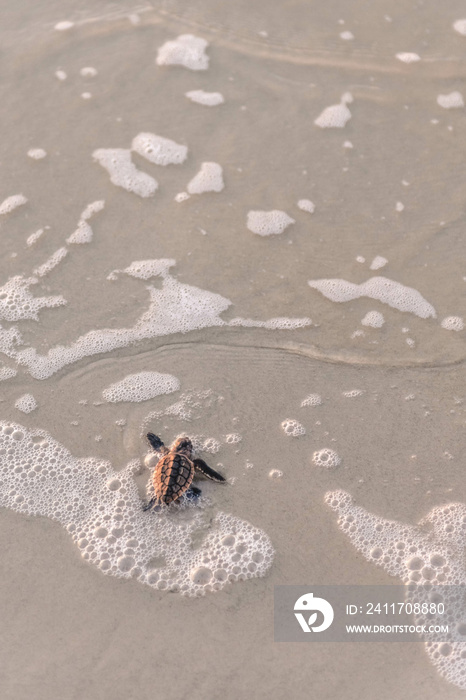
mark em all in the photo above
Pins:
pixel 61 75
pixel 451 101
pixel 88 72
pixel 374 319
pixel 141 386
pixel 326 458
pixel 280 323
pixel 395 294
pixel 173 308
pixel 187 50
pixel 335 116
pixel 179 548
pixel 428 554
pixel 347 36
pixel 7 373
pixel 453 323
pixel 352 393
pixel 311 400
pixel 92 208
pixel 123 173
pixel 293 428
pixel 34 237
pixel 460 26
pixel 208 179
pixel 64 26
pixel 307 205
pixel 378 262
pixel 181 197
pixel 145 269
pixel 158 149
pixel 26 403
pixel 54 260
pixel 83 234
pixel 265 223
pixel 37 153
pixel 17 303
pixel 209 99
pixel 407 57
pixel 11 203
pixel 399 206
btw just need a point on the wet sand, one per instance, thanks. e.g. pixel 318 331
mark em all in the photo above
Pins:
pixel 69 631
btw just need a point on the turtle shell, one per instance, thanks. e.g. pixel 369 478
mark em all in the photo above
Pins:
pixel 172 477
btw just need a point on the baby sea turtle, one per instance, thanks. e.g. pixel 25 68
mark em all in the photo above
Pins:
pixel 175 470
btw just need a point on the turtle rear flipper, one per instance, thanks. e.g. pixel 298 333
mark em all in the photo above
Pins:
pixel 156 443
pixel 202 467
pixel 151 504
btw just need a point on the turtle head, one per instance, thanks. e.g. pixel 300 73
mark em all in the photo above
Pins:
pixel 183 445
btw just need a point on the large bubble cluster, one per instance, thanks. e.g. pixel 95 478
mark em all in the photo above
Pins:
pixel 429 559
pixel 178 549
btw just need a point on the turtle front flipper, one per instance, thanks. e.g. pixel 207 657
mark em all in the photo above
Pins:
pixel 156 443
pixel 202 467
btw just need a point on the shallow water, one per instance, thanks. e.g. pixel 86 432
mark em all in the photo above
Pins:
pixel 272 250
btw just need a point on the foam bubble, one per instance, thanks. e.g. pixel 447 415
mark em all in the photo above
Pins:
pixel 209 99
pixel 102 512
pixel 86 95
pixel 88 72
pixel 453 323
pixel 54 260
pixel 378 262
pixel 11 203
pixel 265 223
pixel 326 458
pixel 306 205
pixel 407 57
pixel 182 197
pixel 452 100
pixel 92 209
pixel 61 75
pixel 460 26
pixel 374 319
pixel 145 269
pixel 7 373
pixel 34 237
pixel 395 294
pixel 293 428
pixel 37 153
pixel 63 26
pixel 428 554
pixel 399 206
pixel 17 303
pixel 187 50
pixel 208 179
pixel 275 474
pixel 280 323
pixel 26 403
pixel 83 234
pixel 335 116
pixel 141 387
pixel 352 393
pixel 123 173
pixel 311 400
pixel 158 149
pixel 347 36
